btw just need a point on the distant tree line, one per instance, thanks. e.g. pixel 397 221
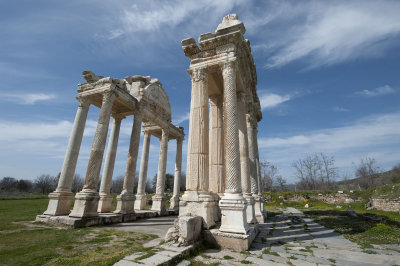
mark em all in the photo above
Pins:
pixel 318 172
pixel 47 183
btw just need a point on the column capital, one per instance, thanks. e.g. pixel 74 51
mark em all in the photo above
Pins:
pixel 108 96
pixel 227 67
pixel 215 100
pixel 118 117
pixel 84 101
pixel 179 140
pixel 198 74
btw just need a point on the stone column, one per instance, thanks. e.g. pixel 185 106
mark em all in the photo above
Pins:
pixel 244 158
pixel 126 200
pixel 105 197
pixel 141 199
pixel 260 197
pixel 197 201
pixel 87 200
pixel 174 202
pixel 61 199
pixel 159 200
pixel 233 205
pixel 251 124
pixel 216 162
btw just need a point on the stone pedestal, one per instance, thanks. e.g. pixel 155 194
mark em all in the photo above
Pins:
pixel 140 201
pixel 59 203
pixel 159 204
pixel 216 209
pixel 104 203
pixel 259 208
pixel 250 210
pixel 174 202
pixel 86 203
pixel 233 210
pixel 198 203
pixel 125 203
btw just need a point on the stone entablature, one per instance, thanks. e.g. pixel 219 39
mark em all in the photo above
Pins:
pixel 145 99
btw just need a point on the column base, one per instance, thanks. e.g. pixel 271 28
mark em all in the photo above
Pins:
pixel 59 203
pixel 250 211
pixel 159 204
pixel 233 210
pixel 261 215
pixel 198 203
pixel 125 203
pixel 86 203
pixel 104 203
pixel 140 202
pixel 174 203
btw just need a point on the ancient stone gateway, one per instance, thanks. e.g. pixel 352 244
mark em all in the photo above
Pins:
pixel 145 99
pixel 223 174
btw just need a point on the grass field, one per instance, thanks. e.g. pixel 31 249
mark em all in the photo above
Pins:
pixel 26 243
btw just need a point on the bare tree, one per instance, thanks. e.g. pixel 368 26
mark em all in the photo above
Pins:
pixel 395 174
pixel 77 183
pixel 46 183
pixel 281 183
pixel 269 173
pixel 8 184
pixel 368 172
pixel 117 184
pixel 316 172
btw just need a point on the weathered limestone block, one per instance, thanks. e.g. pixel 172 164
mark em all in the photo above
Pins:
pixel 186 230
pixel 194 203
pixel 86 204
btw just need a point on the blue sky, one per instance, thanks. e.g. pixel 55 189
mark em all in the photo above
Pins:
pixel 328 75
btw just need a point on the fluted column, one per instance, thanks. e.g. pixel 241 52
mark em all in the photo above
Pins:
pixel 141 200
pixel 61 198
pixel 126 200
pixel 216 158
pixel 232 204
pixel 217 180
pixel 197 162
pixel 197 200
pixel 86 201
pixel 159 201
pixel 244 158
pixel 252 154
pixel 261 215
pixel 105 197
pixel 174 202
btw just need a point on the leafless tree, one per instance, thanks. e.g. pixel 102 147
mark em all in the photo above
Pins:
pixel 281 183
pixel 77 183
pixel 46 183
pixel 368 172
pixel 270 176
pixel 316 172
pixel 395 174
pixel 117 184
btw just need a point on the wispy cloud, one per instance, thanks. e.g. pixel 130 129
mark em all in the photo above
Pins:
pixel 26 98
pixel 339 109
pixel 384 90
pixel 377 135
pixel 272 100
pixel 181 118
pixel 327 33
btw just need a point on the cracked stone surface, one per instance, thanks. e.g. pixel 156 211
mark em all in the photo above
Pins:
pixel 293 239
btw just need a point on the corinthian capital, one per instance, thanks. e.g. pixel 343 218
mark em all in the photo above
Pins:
pixel 199 74
pixel 108 97
pixel 83 102
pixel 228 67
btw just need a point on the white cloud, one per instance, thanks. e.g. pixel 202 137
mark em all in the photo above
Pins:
pixel 178 120
pixel 339 109
pixel 376 135
pixel 27 98
pixel 384 90
pixel 331 32
pixel 272 100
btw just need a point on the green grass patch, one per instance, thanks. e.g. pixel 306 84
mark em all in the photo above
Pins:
pixel 23 245
pixel 245 262
pixel 228 257
pixel 269 252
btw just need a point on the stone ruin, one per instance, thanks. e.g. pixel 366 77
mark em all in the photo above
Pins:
pixel 223 194
pixel 145 99
pixel 223 173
